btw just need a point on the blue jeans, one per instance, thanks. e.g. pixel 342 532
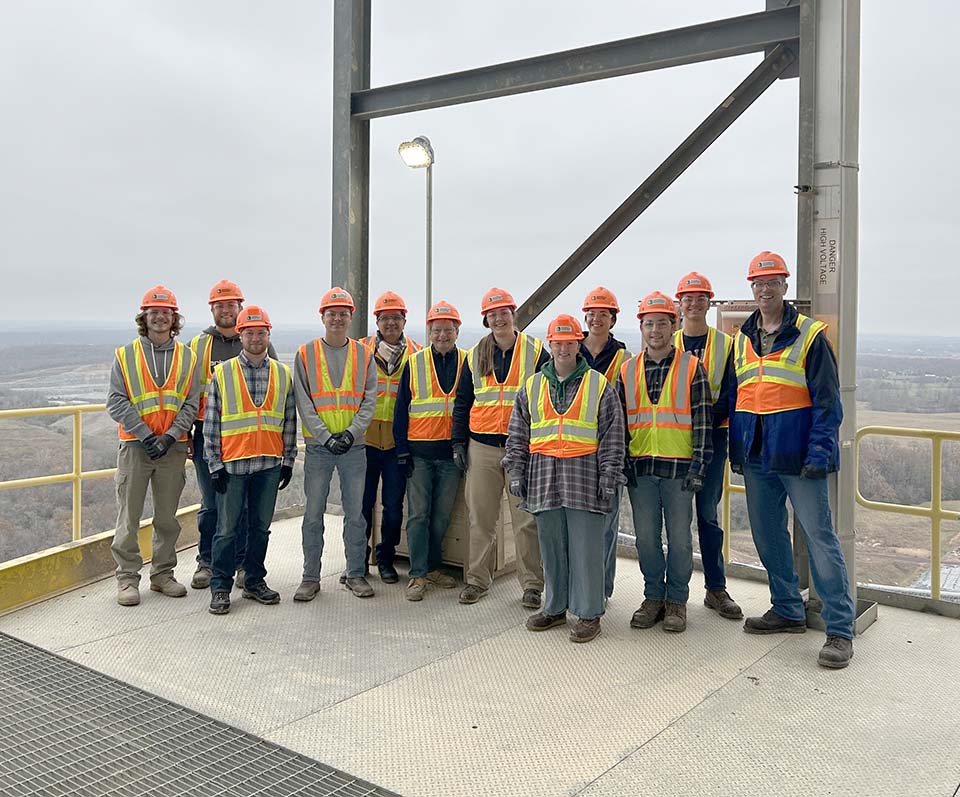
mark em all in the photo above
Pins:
pixel 708 528
pixel 254 494
pixel 571 546
pixel 431 495
pixel 207 516
pixel 382 466
pixel 317 473
pixel 656 501
pixel 611 532
pixel 767 508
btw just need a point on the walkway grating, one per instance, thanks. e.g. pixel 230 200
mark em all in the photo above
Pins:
pixel 68 730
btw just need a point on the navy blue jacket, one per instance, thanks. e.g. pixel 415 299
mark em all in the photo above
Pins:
pixel 790 439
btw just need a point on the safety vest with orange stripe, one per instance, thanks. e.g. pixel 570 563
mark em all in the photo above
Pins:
pixel 246 430
pixel 431 409
pixel 335 406
pixel 206 372
pixel 493 400
pixel 664 429
pixel 388 384
pixel 572 433
pixel 714 359
pixel 158 405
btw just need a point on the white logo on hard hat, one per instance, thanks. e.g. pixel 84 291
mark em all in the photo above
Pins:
pixel 160 296
pixel 766 264
pixel 694 282
pixel 563 328
pixel 655 300
pixel 497 298
pixel 338 295
pixel 252 317
pixel 441 309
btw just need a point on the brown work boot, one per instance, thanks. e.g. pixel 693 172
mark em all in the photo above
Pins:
pixel 307 591
pixel 201 579
pixel 544 622
pixel 836 653
pixel 441 579
pixel 169 586
pixel 530 599
pixel 585 630
pixel 415 588
pixel 648 615
pixel 720 601
pixel 128 594
pixel 471 593
pixel 675 617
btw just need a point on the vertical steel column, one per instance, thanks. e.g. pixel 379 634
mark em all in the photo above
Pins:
pixel 429 279
pixel 349 238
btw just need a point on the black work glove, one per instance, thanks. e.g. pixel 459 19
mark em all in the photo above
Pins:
pixel 218 479
pixel 607 489
pixel 405 461
pixel 332 444
pixel 344 442
pixel 165 443
pixel 286 473
pixel 460 456
pixel 154 447
pixel 813 472
pixel 736 467
pixel 692 482
pixel 517 488
pixel 630 471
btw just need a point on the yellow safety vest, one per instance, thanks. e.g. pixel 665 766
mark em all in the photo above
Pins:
pixel 664 429
pixel 387 385
pixel 573 433
pixel 246 430
pixel 335 406
pixel 431 410
pixel 493 400
pixel 158 405
pixel 206 373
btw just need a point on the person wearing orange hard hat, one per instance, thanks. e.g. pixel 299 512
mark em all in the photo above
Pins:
pixel 250 446
pixel 784 439
pixel 564 457
pixel 604 353
pixel 422 431
pixel 494 371
pixel 153 397
pixel 391 349
pixel 713 348
pixel 218 343
pixel 335 384
pixel 666 400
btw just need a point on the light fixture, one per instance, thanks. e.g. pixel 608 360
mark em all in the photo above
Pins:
pixel 417 154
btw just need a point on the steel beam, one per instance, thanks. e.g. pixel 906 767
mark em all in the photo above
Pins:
pixel 350 234
pixel 665 174
pixel 717 39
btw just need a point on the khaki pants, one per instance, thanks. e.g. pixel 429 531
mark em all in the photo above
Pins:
pixel 166 477
pixel 484 489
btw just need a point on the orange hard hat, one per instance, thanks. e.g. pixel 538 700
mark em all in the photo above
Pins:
pixel 767 264
pixel 225 291
pixel 494 298
pixel 657 302
pixel 159 296
pixel 444 311
pixel 601 298
pixel 565 327
pixel 694 282
pixel 253 316
pixel 389 301
pixel 337 297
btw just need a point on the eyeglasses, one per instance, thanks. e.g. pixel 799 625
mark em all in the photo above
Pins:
pixel 657 324
pixel 339 314
pixel 760 284
pixel 694 298
pixel 159 311
pixel 592 314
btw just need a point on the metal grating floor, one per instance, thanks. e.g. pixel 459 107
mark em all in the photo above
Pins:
pixel 68 730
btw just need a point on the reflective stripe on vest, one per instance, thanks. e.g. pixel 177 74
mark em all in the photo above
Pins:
pixel 387 385
pixel 775 382
pixel 335 406
pixel 715 353
pixel 493 400
pixel 664 429
pixel 431 410
pixel 246 430
pixel 573 433
pixel 158 405
pixel 613 371
pixel 206 372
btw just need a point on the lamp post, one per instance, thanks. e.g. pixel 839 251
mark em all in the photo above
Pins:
pixel 418 154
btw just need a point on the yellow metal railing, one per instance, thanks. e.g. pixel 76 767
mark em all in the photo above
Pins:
pixel 728 488
pixel 76 475
pixel 935 511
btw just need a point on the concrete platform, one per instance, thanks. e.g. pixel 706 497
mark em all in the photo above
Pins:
pixel 435 698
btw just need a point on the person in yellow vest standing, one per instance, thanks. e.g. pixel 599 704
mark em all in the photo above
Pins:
pixel 564 457
pixel 335 384
pixel 251 445
pixel 422 430
pixel 218 343
pixel 713 348
pixel 153 397
pixel 666 399
pixel 493 372
pixel 390 349
pixel 604 353
pixel 784 428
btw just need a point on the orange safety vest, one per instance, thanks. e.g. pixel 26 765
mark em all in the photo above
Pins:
pixel 492 400
pixel 158 405
pixel 714 359
pixel 778 381
pixel 613 371
pixel 246 430
pixel 664 429
pixel 335 406
pixel 431 410
pixel 574 433
pixel 206 372
pixel 387 385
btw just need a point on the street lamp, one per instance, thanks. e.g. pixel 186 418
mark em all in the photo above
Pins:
pixel 418 154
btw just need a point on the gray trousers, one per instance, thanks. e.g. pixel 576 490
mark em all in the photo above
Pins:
pixel 571 543
pixel 166 477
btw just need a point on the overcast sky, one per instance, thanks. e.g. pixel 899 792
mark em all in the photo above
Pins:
pixel 183 141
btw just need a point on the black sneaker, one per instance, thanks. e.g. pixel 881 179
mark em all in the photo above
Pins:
pixel 530 599
pixel 773 623
pixel 388 574
pixel 220 603
pixel 261 593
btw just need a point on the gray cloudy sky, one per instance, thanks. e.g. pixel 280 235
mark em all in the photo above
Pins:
pixel 182 141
